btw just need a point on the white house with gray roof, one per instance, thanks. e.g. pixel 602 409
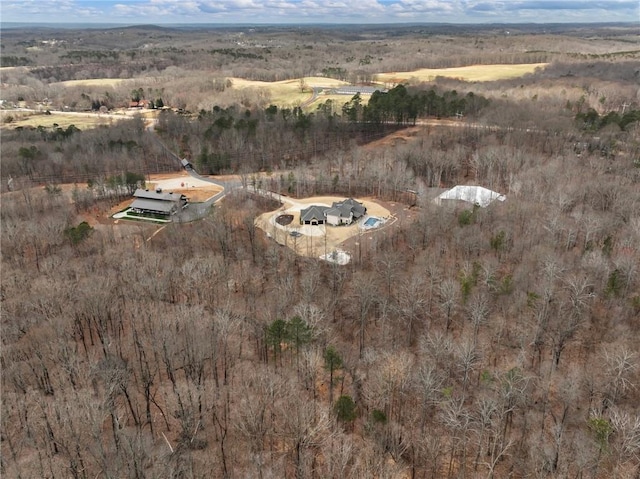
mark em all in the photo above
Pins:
pixel 340 213
pixel 313 215
pixel 345 212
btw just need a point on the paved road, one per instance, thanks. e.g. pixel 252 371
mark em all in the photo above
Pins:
pixel 314 96
pixel 196 211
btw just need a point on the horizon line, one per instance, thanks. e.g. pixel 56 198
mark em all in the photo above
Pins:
pixel 245 24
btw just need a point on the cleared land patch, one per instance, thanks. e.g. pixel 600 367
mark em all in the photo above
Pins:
pixel 64 119
pixel 95 82
pixel 314 241
pixel 469 73
pixel 288 92
pixel 194 189
pixel 55 120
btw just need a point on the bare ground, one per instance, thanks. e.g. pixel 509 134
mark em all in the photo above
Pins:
pixel 318 240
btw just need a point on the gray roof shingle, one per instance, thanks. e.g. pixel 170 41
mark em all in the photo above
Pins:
pixel 313 212
pixel 153 205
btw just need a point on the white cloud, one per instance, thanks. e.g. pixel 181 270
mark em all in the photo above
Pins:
pixel 47 10
pixel 328 11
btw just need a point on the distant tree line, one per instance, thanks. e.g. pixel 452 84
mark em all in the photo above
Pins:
pixel 236 53
pixel 93 55
pixel 67 155
pixel 14 61
pixel 400 106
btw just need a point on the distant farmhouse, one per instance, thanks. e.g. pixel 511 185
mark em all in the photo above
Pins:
pixel 340 213
pixel 157 202
pixel 140 104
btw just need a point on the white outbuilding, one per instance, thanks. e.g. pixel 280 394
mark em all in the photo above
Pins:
pixel 476 195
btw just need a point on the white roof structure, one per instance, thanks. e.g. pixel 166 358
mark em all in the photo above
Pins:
pixel 476 195
pixel 337 256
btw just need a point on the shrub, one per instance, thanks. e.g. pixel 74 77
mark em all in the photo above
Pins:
pixel 345 409
pixel 78 233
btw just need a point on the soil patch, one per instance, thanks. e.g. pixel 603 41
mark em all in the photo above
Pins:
pixel 199 195
pixel 284 220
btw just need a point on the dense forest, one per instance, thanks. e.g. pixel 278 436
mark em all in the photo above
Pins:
pixel 460 342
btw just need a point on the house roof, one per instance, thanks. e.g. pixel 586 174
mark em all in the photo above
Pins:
pixel 340 212
pixel 141 103
pixel 158 196
pixel 349 206
pixel 472 194
pixel 358 208
pixel 153 205
pixel 313 212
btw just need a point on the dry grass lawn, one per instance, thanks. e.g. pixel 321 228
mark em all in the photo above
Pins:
pixel 110 82
pixel 62 120
pixel 180 182
pixel 287 92
pixel 81 120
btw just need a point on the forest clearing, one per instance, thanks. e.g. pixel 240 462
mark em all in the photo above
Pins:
pixel 324 238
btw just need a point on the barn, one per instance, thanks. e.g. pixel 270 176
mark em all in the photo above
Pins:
pixel 158 202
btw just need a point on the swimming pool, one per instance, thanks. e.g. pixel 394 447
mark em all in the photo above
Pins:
pixel 371 222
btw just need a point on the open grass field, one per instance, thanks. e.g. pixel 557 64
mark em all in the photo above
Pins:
pixel 54 120
pixel 102 82
pixel 287 85
pixel 473 73
pixel 288 93
pixel 81 120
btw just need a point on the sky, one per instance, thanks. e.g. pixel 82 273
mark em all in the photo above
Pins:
pixel 137 12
